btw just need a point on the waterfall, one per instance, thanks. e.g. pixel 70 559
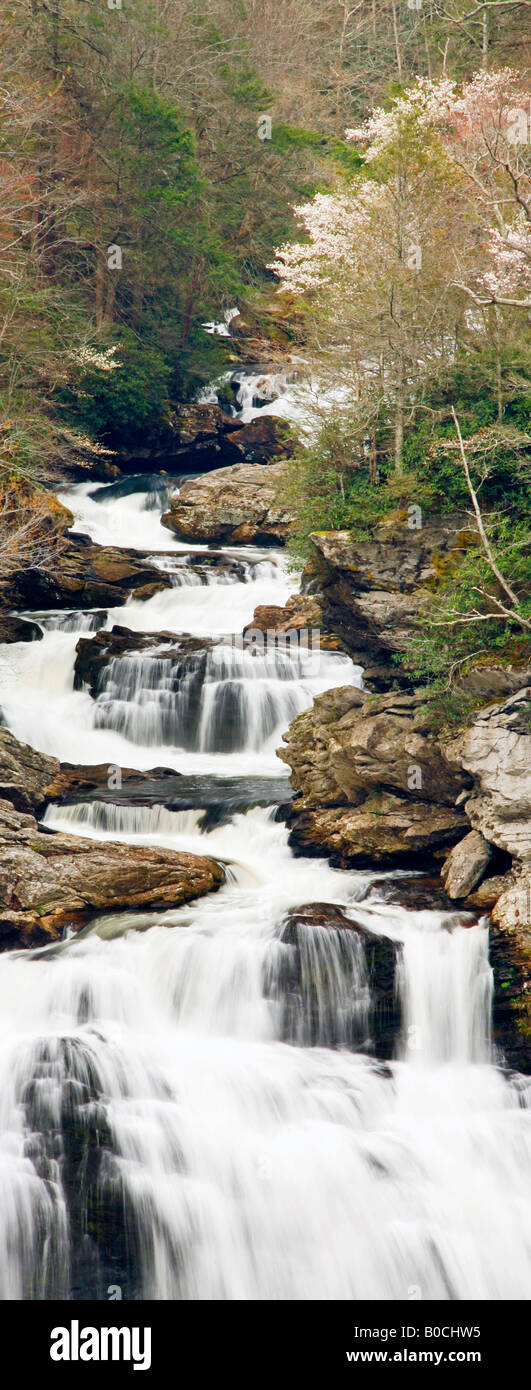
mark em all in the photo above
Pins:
pixel 284 1090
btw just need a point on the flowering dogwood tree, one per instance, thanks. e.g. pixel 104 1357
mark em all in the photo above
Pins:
pixel 440 217
pixel 378 265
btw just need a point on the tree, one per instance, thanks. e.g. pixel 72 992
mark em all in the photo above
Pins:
pixel 379 264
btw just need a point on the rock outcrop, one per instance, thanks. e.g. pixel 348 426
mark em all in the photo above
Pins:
pixel 30 780
pixel 237 505
pixel 86 576
pixel 372 591
pixel 50 881
pixel 265 438
pixel 14 629
pixel 301 617
pixel 370 783
pixel 201 437
pixel 496 752
pixel 24 773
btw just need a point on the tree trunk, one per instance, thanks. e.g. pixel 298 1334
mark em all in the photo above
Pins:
pixel 397 41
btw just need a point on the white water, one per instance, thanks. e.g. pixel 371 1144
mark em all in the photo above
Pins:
pixel 190 1104
pixel 132 522
pixel 140 718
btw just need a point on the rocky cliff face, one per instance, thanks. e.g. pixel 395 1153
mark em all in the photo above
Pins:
pixel 372 591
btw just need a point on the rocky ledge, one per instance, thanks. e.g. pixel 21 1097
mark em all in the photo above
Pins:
pixel 204 436
pixel 236 505
pixel 87 576
pixel 94 654
pixel 51 881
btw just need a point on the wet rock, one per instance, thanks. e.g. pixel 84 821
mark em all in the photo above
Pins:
pixel 13 629
pixel 466 865
pixel 384 830
pixel 72 782
pixel 304 982
pixel 237 505
pixel 510 956
pixel 93 654
pixel 51 881
pixel 414 891
pixel 86 576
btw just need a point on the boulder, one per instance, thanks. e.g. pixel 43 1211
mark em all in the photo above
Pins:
pixel 466 865
pixel 265 438
pixel 203 436
pixel 86 576
pixel 198 423
pixel 351 744
pixel 196 439
pixel 14 629
pixel 237 505
pixel 301 616
pixel 51 881
pixel 24 773
pixel 512 910
pixel 486 895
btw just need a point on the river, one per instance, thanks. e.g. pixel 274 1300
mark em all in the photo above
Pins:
pixel 193 1104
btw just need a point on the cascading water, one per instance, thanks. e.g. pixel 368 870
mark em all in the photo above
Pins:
pixel 240 1099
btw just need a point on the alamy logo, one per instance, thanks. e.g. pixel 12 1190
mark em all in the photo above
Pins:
pixel 77 1343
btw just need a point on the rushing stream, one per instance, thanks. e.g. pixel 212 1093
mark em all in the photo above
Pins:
pixel 197 1104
